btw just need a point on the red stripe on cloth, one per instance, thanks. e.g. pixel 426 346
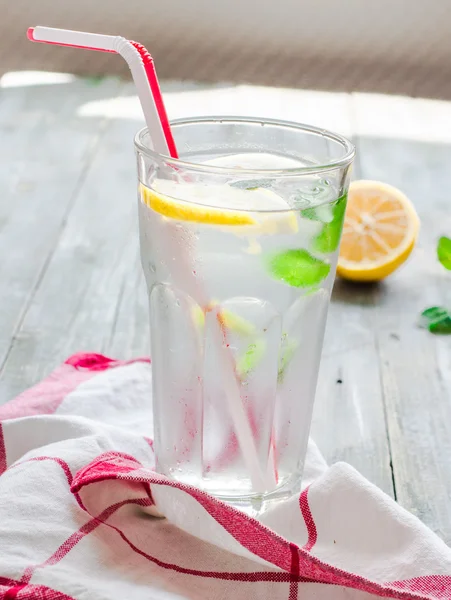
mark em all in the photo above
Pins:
pixel 245 577
pixel 11 594
pixel 248 532
pixel 252 577
pixel 45 397
pixel 32 592
pixel 269 545
pixel 294 574
pixel 101 519
pixel 61 463
pixel 436 586
pixel 308 519
pixel 87 528
pixel 3 463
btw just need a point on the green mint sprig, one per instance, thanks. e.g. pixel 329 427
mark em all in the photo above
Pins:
pixel 297 268
pixel 329 237
pixel 437 319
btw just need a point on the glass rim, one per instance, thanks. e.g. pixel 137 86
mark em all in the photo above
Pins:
pixel 343 161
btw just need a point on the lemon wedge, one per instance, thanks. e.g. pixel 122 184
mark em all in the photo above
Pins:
pixel 250 212
pixel 380 230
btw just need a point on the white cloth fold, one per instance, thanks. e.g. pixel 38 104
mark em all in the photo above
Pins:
pixel 78 494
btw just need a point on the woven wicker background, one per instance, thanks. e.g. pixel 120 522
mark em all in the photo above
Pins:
pixel 394 46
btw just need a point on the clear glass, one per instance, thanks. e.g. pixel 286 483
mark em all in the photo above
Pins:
pixel 239 242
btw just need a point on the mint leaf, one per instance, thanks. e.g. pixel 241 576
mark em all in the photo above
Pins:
pixel 329 237
pixel 297 268
pixel 443 327
pixel 437 319
pixel 434 312
pixel 444 252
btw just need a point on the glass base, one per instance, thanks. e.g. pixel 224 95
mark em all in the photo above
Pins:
pixel 255 505
pixel 252 504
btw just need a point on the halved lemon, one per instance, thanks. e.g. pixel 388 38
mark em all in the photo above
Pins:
pixel 380 230
pixel 250 211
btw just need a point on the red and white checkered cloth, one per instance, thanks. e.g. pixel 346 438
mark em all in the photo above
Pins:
pixel 77 494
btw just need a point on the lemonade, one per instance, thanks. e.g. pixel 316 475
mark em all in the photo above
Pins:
pixel 239 274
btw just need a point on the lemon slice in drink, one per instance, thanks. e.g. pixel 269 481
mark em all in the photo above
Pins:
pixel 257 210
pixel 380 230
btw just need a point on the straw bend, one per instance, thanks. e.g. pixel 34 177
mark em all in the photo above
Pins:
pixel 159 132
pixel 135 62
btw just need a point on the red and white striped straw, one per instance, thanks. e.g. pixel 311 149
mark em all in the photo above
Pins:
pixel 141 66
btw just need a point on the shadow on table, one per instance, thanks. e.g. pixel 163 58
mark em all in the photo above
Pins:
pixel 362 294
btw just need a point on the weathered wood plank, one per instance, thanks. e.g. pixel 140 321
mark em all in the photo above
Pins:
pixel 349 420
pixel 414 364
pixel 44 150
pixel 74 306
pixel 130 334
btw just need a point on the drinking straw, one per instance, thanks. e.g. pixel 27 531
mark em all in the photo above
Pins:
pixel 144 76
pixel 141 66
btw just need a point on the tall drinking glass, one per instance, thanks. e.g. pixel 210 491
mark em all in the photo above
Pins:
pixel 239 242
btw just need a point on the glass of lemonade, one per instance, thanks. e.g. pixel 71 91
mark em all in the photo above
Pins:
pixel 239 242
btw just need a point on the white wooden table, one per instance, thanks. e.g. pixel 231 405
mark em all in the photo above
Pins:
pixel 70 277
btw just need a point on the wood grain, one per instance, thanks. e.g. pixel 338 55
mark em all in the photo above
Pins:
pixel 414 364
pixel 74 305
pixel 349 421
pixel 44 151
